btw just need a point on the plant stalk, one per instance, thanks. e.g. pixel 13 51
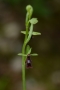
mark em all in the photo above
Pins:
pixel 23 60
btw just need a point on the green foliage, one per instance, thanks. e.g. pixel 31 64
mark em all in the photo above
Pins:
pixel 33 33
pixel 33 21
pixel 34 54
pixel 26 50
pixel 20 54
pixel 30 34
pixel 36 33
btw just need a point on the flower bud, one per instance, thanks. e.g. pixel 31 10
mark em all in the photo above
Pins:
pixel 29 9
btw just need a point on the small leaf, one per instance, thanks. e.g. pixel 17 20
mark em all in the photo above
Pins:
pixel 24 32
pixel 36 33
pixel 30 34
pixel 34 54
pixel 33 33
pixel 20 54
pixel 33 21
pixel 29 51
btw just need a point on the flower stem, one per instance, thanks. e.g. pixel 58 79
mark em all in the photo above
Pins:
pixel 23 60
pixel 23 73
pixel 26 50
pixel 28 16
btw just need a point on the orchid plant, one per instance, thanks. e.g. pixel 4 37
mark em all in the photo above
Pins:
pixel 26 49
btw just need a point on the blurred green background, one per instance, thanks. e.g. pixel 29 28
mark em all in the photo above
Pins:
pixel 45 74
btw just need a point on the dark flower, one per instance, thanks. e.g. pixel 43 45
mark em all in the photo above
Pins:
pixel 28 62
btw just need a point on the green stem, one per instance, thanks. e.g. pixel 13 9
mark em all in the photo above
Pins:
pixel 23 73
pixel 23 60
pixel 28 16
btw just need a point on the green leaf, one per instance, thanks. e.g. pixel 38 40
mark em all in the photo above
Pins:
pixel 33 33
pixel 34 54
pixel 36 33
pixel 29 51
pixel 33 21
pixel 30 34
pixel 24 32
pixel 20 54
